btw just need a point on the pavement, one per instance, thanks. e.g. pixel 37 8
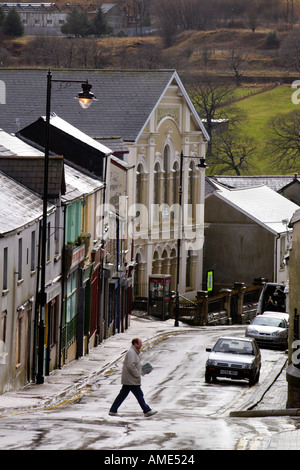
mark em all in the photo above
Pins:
pixel 67 384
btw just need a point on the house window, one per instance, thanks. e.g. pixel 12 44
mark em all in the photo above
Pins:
pixel 20 259
pixel 48 241
pixel 3 326
pixel 56 230
pixel 71 297
pixel 32 259
pixel 19 333
pixel 5 258
pixel 3 353
pixel 53 315
pixel 282 251
pixel 73 222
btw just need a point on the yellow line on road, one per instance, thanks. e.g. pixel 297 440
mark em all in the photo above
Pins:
pixel 62 404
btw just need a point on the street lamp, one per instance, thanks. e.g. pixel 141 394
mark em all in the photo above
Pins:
pixel 202 164
pixel 85 98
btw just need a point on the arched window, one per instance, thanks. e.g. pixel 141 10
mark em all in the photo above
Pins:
pixel 156 195
pixel 175 193
pixel 191 184
pixel 188 276
pixel 175 183
pixel 166 174
pixel 139 182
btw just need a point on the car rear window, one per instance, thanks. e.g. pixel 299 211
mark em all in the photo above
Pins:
pixel 237 346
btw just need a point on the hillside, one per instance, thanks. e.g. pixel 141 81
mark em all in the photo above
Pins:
pixel 260 108
pixel 192 53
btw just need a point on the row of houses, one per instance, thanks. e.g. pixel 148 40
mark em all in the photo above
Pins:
pixel 108 165
pixel 48 18
pixel 87 297
pixel 127 182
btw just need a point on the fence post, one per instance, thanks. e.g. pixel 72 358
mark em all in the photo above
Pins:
pixel 227 301
pixel 201 315
pixel 240 286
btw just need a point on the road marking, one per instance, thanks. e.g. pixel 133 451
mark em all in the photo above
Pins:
pixel 62 404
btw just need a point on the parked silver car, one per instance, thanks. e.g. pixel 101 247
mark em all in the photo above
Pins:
pixel 234 358
pixel 268 330
pixel 284 315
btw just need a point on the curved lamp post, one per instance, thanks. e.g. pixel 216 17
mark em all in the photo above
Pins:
pixel 202 164
pixel 85 98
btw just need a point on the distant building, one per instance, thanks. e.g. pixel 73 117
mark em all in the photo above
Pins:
pixel 48 18
pixel 39 18
pixel 286 185
pixel 246 234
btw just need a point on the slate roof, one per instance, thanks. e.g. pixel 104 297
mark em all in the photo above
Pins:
pixel 263 205
pixel 19 206
pixel 25 164
pixel 276 183
pixel 79 184
pixel 126 100
pixel 11 145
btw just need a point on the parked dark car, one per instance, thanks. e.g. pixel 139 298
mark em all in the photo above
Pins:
pixel 272 298
pixel 234 358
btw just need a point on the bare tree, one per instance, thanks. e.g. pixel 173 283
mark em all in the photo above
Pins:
pixel 289 51
pixel 283 146
pixel 167 21
pixel 238 64
pixel 209 96
pixel 232 152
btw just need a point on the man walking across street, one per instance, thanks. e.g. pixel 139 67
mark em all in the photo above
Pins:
pixel 131 380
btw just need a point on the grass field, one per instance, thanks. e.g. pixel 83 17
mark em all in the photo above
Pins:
pixel 259 109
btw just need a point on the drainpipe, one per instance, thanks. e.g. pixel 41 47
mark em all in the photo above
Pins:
pixel 276 253
pixel 36 310
pixel 62 308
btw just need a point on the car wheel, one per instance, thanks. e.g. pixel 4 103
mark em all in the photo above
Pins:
pixel 207 377
pixel 252 379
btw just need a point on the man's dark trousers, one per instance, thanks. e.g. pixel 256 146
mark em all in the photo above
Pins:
pixel 125 390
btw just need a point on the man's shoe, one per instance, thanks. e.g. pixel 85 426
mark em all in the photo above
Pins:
pixel 111 413
pixel 150 413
